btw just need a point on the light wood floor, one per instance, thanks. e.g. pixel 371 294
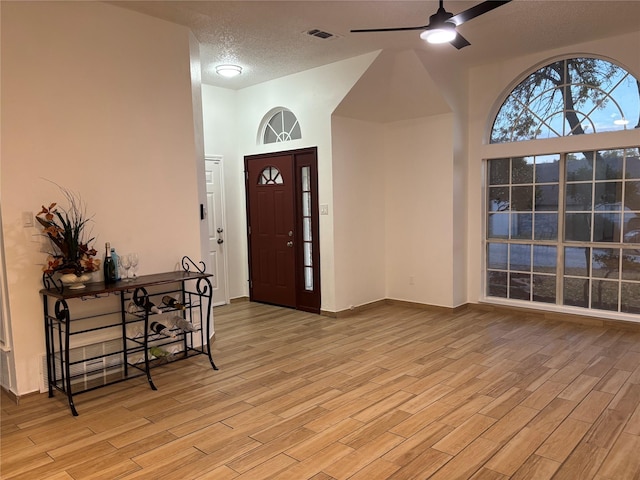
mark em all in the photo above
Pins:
pixel 390 393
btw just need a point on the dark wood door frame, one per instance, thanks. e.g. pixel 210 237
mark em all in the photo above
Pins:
pixel 306 298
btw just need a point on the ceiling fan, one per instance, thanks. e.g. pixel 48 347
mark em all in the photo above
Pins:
pixel 442 24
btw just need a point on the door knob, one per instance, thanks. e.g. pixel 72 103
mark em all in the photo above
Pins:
pixel 289 244
pixel 220 241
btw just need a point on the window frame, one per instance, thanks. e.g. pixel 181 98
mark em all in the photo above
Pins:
pixel 561 243
pixel 622 139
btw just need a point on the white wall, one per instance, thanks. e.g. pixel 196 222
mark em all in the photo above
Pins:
pixel 98 99
pixel 312 95
pixel 419 210
pixel 359 211
pixel 489 85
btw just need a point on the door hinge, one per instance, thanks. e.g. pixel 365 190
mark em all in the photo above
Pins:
pixel 249 227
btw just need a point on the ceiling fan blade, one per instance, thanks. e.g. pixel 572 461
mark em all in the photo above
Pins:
pixel 476 11
pixel 459 42
pixel 396 29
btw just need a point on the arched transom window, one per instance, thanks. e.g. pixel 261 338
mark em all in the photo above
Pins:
pixel 573 96
pixel 281 126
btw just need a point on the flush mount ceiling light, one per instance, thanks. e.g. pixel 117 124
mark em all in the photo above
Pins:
pixel 229 70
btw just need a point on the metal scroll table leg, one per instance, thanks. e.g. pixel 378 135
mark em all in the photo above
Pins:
pixel 140 298
pixel 62 314
pixel 207 291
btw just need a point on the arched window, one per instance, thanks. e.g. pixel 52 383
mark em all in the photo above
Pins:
pixel 281 125
pixel 573 96
pixel 563 228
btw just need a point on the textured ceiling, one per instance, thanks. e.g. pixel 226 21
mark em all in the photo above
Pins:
pixel 268 38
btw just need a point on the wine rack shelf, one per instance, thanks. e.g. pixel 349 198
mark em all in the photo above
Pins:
pixel 73 318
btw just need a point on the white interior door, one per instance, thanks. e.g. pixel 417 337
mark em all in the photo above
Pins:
pixel 217 229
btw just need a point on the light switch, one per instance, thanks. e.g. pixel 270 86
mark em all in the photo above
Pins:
pixel 27 219
pixel 324 209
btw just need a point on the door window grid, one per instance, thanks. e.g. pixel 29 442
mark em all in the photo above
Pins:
pixel 580 268
pixel 270 176
pixel 307 241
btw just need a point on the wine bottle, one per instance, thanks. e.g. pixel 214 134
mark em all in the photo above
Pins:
pixel 183 324
pixel 172 302
pixel 150 307
pixel 157 327
pixel 116 262
pixel 109 266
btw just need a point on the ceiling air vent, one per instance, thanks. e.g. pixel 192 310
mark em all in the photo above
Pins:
pixel 316 32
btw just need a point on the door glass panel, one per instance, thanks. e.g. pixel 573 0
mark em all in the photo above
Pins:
pixel 308 278
pixel 306 229
pixel 306 204
pixel 305 174
pixel 270 176
pixel 307 255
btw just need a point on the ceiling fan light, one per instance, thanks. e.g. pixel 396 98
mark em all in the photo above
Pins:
pixel 441 34
pixel 229 70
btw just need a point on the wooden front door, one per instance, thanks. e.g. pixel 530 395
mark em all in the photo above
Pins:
pixel 282 216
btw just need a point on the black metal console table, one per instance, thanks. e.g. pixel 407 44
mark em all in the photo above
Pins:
pixel 127 323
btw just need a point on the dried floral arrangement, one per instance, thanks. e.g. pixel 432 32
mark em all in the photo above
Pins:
pixel 66 228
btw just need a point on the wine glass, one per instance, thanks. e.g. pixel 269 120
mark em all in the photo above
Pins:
pixel 134 263
pixel 125 261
